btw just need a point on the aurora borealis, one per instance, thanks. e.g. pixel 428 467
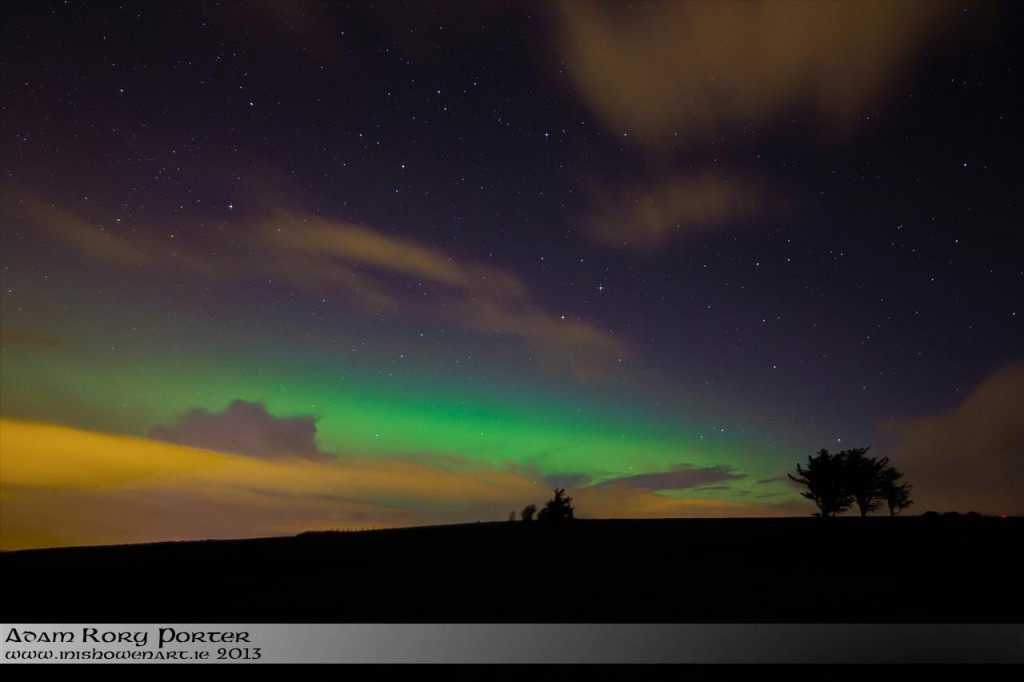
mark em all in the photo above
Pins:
pixel 269 267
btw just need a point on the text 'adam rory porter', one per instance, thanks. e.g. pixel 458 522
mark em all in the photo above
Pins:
pixel 139 638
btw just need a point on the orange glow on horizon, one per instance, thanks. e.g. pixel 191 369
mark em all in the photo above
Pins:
pixel 63 486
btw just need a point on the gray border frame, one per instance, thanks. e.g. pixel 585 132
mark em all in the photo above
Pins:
pixel 555 643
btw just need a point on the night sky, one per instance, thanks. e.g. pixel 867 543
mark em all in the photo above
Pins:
pixel 278 266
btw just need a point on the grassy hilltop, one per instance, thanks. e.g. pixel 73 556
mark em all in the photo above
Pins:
pixel 910 569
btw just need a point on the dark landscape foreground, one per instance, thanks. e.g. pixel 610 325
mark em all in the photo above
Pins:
pixel 875 570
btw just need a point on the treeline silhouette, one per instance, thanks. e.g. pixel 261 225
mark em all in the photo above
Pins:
pixel 558 509
pixel 835 482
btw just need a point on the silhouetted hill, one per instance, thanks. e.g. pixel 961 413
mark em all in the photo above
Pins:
pixel 724 570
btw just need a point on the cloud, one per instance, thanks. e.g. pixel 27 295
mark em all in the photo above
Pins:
pixel 112 246
pixel 671 79
pixel 30 338
pixel 642 217
pixel 679 477
pixel 567 481
pixel 314 238
pixel 623 501
pixel 366 268
pixel 971 457
pixel 683 70
pixel 244 428
pixel 400 276
pixel 64 486
pixel 73 232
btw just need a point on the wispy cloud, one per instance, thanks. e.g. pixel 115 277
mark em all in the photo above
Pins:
pixel 63 486
pixel 69 231
pixel 29 338
pixel 644 216
pixel 971 457
pixel 337 243
pixel 671 79
pixel 401 276
pixel 570 481
pixel 368 269
pixel 671 70
pixel 623 501
pixel 72 232
pixel 679 477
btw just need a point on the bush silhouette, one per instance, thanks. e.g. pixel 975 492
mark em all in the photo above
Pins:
pixel 528 512
pixel 558 509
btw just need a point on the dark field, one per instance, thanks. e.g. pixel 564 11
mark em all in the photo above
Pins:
pixel 875 570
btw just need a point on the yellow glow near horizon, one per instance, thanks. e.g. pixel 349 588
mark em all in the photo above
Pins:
pixel 63 486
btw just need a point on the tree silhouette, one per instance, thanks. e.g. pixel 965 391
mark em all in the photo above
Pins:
pixel 895 493
pixel 558 509
pixel 528 512
pixel 864 478
pixel 825 481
